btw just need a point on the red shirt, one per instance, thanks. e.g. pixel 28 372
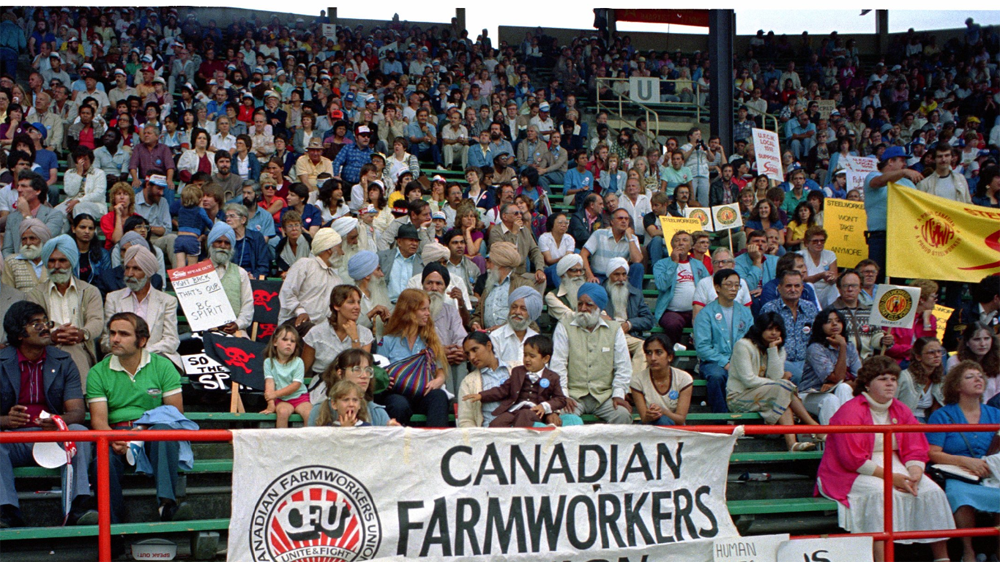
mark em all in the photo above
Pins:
pixel 87 137
pixel 108 228
pixel 32 393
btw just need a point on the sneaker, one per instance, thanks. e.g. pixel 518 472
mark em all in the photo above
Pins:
pixel 10 516
pixel 441 168
pixel 88 517
pixel 171 511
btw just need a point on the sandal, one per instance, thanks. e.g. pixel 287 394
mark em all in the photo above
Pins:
pixel 802 446
pixel 818 437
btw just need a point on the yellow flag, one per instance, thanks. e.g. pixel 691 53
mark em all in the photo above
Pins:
pixel 931 237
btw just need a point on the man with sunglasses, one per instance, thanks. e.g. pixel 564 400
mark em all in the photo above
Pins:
pixel 36 377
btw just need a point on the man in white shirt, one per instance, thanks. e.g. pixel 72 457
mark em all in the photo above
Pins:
pixel 944 182
pixel 543 122
pixel 704 291
pixel 455 141
pixel 223 139
pixel 305 293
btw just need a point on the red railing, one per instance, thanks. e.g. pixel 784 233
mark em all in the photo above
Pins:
pixel 102 440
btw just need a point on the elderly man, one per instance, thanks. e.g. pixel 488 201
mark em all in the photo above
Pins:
pixel 25 271
pixel 496 285
pixel 250 251
pixel 512 229
pixel 37 377
pixel 31 187
pixel 113 279
pixel 312 164
pixel 150 204
pixel 627 306
pixel 676 279
pixel 419 215
pixel 562 301
pixel 235 280
pixel 74 305
pixel 150 155
pixel 401 263
pixel 607 243
pixel 455 291
pixel 524 306
pixel 447 321
pixel 350 234
pixel 53 123
pixel 591 356
pixel 120 390
pixel 305 293
pixel 157 308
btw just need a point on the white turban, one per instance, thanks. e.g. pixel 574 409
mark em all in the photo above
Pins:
pixel 344 225
pixel 435 252
pixel 568 262
pixel 325 239
pixel 615 263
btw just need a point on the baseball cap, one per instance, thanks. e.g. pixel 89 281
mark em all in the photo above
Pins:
pixel 439 215
pixel 41 129
pixel 119 71
pixel 892 152
pixel 337 114
pixel 157 179
pixel 439 178
pixel 87 66
pixel 363 130
pixel 349 96
pixel 543 107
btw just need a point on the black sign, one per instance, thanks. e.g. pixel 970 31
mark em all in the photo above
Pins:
pixel 244 358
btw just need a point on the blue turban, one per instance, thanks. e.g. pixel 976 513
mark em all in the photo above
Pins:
pixel 67 246
pixel 596 294
pixel 132 237
pixel 218 231
pixel 362 264
pixel 532 300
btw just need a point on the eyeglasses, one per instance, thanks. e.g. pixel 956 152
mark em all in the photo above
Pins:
pixel 365 372
pixel 269 187
pixel 39 325
pixel 731 285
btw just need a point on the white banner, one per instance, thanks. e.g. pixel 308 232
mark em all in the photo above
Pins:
pixel 840 549
pixel 768 151
pixel 570 494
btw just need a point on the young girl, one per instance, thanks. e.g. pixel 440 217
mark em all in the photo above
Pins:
pixel 348 405
pixel 356 366
pixel 192 222
pixel 283 368
pixel 801 220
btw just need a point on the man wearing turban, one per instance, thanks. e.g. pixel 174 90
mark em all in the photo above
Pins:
pixel 448 320
pixel 497 284
pixel 305 294
pixel 455 292
pixel 157 308
pixel 74 306
pixel 25 271
pixel 347 228
pixel 627 305
pixel 524 306
pixel 364 270
pixel 562 300
pixel 591 356
pixel 234 279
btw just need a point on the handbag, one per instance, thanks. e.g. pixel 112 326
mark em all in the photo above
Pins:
pixel 410 376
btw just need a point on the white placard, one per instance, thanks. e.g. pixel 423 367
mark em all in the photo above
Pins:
pixel 894 306
pixel 202 297
pixel 330 31
pixel 768 153
pixel 644 90
pixel 856 180
pixel 846 549
pixel 763 548
pixel 726 217
pixel 518 495
pixel 384 49
pixel 860 164
pixel 703 214
pixel 200 364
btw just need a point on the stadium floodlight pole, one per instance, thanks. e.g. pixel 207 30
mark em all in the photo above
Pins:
pixel 721 29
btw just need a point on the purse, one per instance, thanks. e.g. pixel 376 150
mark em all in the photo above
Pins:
pixel 410 376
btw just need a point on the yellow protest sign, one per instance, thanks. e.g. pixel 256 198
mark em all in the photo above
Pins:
pixel 845 223
pixel 671 225
pixel 930 237
pixel 942 314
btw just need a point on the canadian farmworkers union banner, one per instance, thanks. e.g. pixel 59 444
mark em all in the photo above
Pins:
pixel 582 493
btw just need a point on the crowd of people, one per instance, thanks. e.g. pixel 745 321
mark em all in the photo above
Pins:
pixel 142 140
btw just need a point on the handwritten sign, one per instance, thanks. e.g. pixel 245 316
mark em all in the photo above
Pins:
pixel 846 549
pixel 670 226
pixel 860 164
pixel 942 314
pixel 768 151
pixel 845 223
pixel 762 548
pixel 703 215
pixel 826 107
pixel 894 306
pixel 202 297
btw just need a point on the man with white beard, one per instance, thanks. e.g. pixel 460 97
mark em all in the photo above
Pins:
pixel 234 279
pixel 305 293
pixel 591 356
pixel 496 286
pixel 347 228
pixel 562 300
pixel 74 305
pixel 627 305
pixel 447 321
pixel 157 308
pixel 455 293
pixel 25 270
pixel 524 305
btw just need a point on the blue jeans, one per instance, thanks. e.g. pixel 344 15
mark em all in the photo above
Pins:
pixel 662 420
pixel 795 368
pixel 876 252
pixel 163 456
pixel 715 385
pixel 20 454
pixel 657 250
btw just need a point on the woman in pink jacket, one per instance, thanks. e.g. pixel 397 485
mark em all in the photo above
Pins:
pixel 851 471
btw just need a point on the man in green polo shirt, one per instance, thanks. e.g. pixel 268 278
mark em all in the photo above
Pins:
pixel 798 194
pixel 123 387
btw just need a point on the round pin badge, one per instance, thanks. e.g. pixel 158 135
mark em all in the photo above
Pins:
pixel 718 316
pixel 673 395
pixel 544 383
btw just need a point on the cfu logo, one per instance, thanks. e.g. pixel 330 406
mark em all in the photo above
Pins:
pixel 701 215
pixel 936 234
pixel 315 513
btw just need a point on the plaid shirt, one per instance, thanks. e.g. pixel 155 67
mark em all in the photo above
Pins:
pixel 349 161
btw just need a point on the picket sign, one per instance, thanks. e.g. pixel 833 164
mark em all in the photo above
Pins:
pixel 768 151
pixel 202 297
pixel 894 306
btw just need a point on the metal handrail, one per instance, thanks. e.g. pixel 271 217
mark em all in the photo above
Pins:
pixel 104 438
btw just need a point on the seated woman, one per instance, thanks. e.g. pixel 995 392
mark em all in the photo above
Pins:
pixel 832 364
pixel 852 472
pixel 981 345
pixel 662 394
pixel 409 331
pixel 294 245
pixel 355 365
pixel 758 381
pixel 920 384
pixel 963 395
pixel 338 333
